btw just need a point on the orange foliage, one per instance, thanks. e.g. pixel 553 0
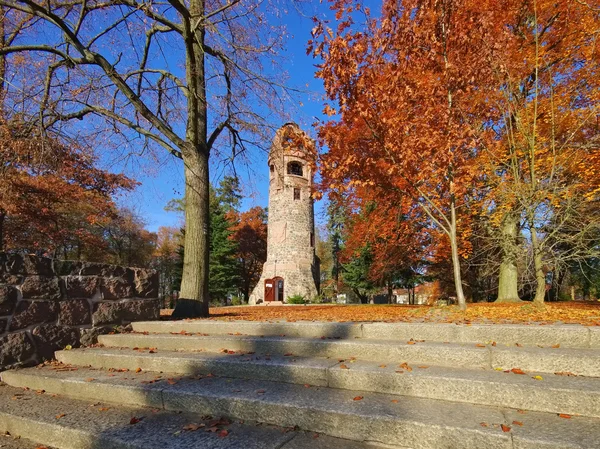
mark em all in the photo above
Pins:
pixel 582 313
pixel 391 226
pixel 250 233
pixel 434 100
pixel 50 194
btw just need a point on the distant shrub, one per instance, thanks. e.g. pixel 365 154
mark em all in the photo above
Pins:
pixel 296 299
pixel 320 299
pixel 237 301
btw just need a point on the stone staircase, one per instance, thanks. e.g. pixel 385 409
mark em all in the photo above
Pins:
pixel 416 385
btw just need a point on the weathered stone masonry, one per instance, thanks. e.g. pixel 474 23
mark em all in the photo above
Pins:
pixel 291 233
pixel 47 305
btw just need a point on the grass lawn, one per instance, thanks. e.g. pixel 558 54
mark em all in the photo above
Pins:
pixel 587 314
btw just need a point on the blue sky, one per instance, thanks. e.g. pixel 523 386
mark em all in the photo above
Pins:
pixel 166 181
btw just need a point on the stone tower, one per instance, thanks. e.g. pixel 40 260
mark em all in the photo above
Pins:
pixel 291 267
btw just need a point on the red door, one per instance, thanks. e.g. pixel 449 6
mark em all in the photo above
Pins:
pixel 269 290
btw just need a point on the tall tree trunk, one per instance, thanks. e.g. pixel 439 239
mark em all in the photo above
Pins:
pixel 540 276
pixel 194 298
pixel 460 296
pixel 508 287
pixel 194 282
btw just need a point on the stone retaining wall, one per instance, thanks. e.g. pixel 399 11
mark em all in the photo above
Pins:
pixel 47 304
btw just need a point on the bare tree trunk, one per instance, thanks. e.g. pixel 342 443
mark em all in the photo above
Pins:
pixel 460 296
pixel 508 289
pixel 194 283
pixel 540 276
pixel 194 298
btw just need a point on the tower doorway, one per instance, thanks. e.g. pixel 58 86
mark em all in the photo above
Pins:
pixel 274 289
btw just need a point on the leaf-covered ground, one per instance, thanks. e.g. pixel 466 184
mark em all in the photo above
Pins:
pixel 567 312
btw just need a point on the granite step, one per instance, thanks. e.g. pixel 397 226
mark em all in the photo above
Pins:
pixel 361 416
pixel 585 362
pixel 64 423
pixel 7 441
pixel 527 391
pixel 567 336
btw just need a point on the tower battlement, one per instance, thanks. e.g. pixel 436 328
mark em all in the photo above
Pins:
pixel 291 267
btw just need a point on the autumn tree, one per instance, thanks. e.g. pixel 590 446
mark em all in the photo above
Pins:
pixel 396 233
pixel 52 196
pixel 177 76
pixel 405 88
pixel 129 243
pixel 543 154
pixel 250 236
pixel 166 258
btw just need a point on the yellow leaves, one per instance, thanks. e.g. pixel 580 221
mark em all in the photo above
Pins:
pixel 538 378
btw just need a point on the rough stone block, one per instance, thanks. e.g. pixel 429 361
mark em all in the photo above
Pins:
pixel 41 287
pixel 146 283
pixel 116 288
pixel 103 269
pixel 67 267
pixel 51 337
pixel 33 312
pixel 74 312
pixel 9 296
pixel 15 348
pixel 37 265
pixel 125 311
pixel 78 268
pixel 89 337
pixel 28 264
pixel 11 279
pixel 81 286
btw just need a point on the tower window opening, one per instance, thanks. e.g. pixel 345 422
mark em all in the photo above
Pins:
pixel 294 168
pixel 272 168
pixel 296 193
pixel 312 239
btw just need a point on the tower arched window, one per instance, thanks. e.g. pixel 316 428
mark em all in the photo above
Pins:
pixel 294 168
